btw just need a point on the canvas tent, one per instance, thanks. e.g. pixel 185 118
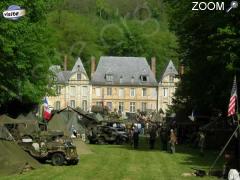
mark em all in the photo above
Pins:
pixel 24 126
pixel 66 121
pixel 12 158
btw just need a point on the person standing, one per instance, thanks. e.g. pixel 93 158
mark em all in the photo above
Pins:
pixel 201 143
pixel 135 137
pixel 172 141
pixel 152 137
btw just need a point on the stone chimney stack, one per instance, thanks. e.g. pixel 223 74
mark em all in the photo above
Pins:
pixel 181 69
pixel 65 63
pixel 153 65
pixel 93 65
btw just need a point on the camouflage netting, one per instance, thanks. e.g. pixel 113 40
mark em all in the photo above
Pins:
pixel 13 159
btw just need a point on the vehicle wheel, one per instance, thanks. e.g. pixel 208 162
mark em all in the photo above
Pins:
pixel 73 162
pixel 42 160
pixel 101 140
pixel 119 141
pixel 57 159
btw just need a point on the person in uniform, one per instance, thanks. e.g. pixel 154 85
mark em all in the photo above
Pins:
pixel 135 137
pixel 152 138
pixel 172 141
pixel 201 143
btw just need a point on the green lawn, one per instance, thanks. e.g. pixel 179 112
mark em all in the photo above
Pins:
pixel 122 162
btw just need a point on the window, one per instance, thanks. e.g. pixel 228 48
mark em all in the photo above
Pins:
pixel 132 106
pixel 109 91
pixel 109 77
pixel 121 92
pixel 109 105
pixel 84 105
pixel 121 107
pixel 98 92
pixel 58 90
pixel 171 79
pixel 165 92
pixel 154 92
pixel 132 80
pixel 72 103
pixel 57 105
pixel 143 78
pixel 144 106
pixel 99 103
pixel 84 91
pixel 132 92
pixel 72 90
pixel 121 79
pixel 144 91
pixel 78 76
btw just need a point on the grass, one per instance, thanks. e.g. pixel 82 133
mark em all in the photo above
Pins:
pixel 113 162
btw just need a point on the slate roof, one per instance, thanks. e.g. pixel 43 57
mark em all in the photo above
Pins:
pixel 64 76
pixel 124 70
pixel 169 70
pixel 78 66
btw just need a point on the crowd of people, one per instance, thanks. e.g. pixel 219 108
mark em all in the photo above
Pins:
pixel 154 133
pixel 157 131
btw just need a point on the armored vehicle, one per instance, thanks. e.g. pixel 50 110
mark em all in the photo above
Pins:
pixel 52 146
pixel 106 134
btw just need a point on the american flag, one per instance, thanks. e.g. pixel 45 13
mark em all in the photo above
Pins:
pixel 233 100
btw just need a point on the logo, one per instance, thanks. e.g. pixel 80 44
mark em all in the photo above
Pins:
pixel 213 6
pixel 14 12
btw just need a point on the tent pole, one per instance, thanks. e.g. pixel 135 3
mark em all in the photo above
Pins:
pixel 220 154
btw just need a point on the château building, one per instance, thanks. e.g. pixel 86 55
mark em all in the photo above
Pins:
pixel 73 88
pixel 124 84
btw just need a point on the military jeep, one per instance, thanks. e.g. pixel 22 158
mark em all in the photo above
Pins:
pixel 106 134
pixel 52 146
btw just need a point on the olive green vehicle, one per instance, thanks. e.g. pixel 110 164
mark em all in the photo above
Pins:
pixel 42 145
pixel 53 146
pixel 106 135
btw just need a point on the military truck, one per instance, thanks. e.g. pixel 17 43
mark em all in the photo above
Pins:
pixel 106 134
pixel 53 146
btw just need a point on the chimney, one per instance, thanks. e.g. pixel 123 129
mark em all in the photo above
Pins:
pixel 153 65
pixel 181 69
pixel 65 63
pixel 93 65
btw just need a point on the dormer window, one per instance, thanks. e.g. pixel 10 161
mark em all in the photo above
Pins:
pixel 78 76
pixel 171 78
pixel 109 77
pixel 132 80
pixel 121 79
pixel 143 78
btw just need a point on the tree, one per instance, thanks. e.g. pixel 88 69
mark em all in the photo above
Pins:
pixel 210 49
pixel 25 56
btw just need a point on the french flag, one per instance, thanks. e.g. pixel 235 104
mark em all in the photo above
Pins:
pixel 47 112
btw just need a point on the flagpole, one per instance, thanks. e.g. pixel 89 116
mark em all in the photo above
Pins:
pixel 238 133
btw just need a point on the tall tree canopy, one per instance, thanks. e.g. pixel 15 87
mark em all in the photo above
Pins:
pixel 25 56
pixel 210 49
pixel 113 28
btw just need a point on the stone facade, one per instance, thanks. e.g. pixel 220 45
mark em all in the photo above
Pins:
pixel 167 86
pixel 124 84
pixel 73 89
